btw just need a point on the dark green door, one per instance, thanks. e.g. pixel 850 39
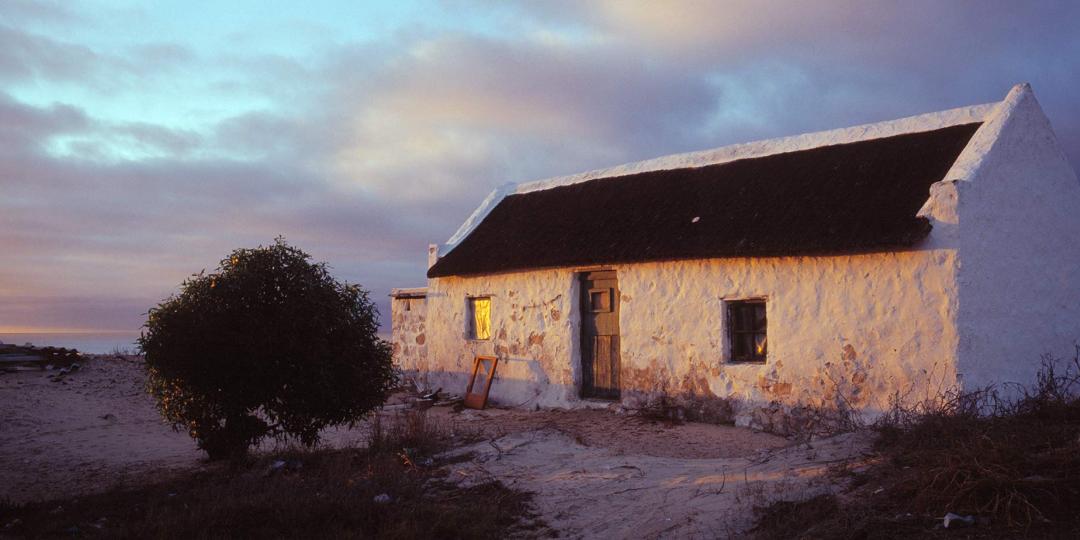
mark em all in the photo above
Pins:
pixel 600 335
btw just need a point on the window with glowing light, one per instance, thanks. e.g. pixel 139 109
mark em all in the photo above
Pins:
pixel 746 330
pixel 480 317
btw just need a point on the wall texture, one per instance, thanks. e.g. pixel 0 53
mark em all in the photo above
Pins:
pixel 534 329
pixel 843 331
pixel 1019 228
pixel 847 331
pixel 408 335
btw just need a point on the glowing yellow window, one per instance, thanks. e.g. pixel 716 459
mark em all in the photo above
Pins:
pixel 480 316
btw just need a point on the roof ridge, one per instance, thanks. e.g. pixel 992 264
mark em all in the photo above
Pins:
pixel 841 199
pixel 777 145
pixel 733 152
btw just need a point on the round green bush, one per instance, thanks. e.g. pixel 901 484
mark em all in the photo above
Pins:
pixel 269 345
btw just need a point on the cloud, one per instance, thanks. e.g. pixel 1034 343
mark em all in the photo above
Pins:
pixel 28 56
pixel 454 115
pixel 797 66
pixel 85 229
pixel 38 11
pixel 364 149
pixel 23 129
pixel 70 312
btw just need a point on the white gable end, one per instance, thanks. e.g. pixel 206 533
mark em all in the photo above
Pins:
pixel 1019 245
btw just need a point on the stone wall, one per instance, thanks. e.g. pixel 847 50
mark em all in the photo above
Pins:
pixel 844 332
pixel 534 328
pixel 408 316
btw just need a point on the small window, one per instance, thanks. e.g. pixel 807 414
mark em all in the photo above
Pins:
pixel 746 321
pixel 480 318
pixel 600 300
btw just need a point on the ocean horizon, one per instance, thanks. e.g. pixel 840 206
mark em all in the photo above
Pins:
pixel 87 342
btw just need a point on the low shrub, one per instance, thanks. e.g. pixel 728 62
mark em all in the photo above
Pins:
pixel 269 345
pixel 1013 463
pixel 1016 461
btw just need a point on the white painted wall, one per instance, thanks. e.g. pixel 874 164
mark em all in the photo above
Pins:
pixel 534 331
pixel 854 329
pixel 1019 216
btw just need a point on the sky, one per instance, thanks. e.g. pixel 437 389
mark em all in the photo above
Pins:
pixel 141 142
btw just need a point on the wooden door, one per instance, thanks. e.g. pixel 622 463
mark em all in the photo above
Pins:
pixel 600 335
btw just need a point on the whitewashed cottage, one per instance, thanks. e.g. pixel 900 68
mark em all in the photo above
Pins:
pixel 765 281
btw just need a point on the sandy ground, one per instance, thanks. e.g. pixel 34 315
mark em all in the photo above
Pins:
pixel 597 492
pixel 94 429
pixel 594 473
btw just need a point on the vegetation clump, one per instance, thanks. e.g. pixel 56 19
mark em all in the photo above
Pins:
pixel 1012 465
pixel 269 345
pixel 39 356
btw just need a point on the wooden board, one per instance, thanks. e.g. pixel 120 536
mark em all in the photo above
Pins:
pixel 483 372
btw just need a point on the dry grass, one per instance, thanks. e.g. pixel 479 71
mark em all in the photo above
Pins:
pixel 388 491
pixel 1012 463
pixel 412 429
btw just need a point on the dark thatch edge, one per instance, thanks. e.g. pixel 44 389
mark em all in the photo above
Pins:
pixel 853 198
pixel 919 232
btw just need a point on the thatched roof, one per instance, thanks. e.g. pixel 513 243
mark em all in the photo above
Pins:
pixel 846 198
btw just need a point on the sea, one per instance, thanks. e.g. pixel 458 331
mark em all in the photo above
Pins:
pixel 84 342
pixel 89 342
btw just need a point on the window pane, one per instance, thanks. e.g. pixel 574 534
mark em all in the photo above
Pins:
pixel 738 320
pixel 759 317
pixel 738 346
pixel 748 345
pixel 481 308
pixel 600 300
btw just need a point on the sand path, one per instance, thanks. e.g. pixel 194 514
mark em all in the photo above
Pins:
pixel 594 473
pixel 597 492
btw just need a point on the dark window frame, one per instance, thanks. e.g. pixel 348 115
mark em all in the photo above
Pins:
pixel 742 321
